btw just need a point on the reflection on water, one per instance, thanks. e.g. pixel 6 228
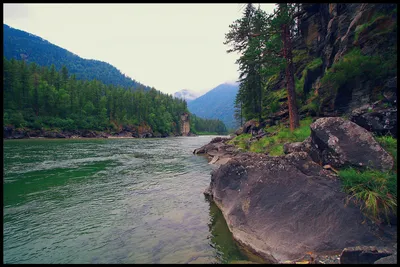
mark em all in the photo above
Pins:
pixel 111 201
pixel 221 237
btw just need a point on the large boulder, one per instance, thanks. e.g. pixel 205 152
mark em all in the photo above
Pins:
pixel 339 142
pixel 283 207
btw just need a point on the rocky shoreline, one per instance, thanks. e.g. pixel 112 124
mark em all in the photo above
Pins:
pixel 291 208
pixel 12 133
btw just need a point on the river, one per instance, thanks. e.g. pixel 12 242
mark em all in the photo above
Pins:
pixel 111 201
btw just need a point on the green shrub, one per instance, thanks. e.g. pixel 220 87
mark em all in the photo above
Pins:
pixel 312 105
pixel 273 99
pixel 353 64
pixel 375 191
pixel 314 64
pixel 299 83
pixel 363 27
pixel 300 55
pixel 276 150
pixel 389 143
pixel 17 119
pixel 260 145
pixel 359 29
pixel 274 144
pixel 242 141
pixel 6 119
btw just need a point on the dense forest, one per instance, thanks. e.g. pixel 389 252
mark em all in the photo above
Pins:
pixel 21 45
pixel 38 97
pixel 206 126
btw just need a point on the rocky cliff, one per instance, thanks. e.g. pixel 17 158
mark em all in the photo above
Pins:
pixel 185 125
pixel 345 57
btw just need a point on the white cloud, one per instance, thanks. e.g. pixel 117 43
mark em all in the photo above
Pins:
pixel 168 46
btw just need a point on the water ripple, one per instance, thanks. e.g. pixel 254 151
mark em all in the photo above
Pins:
pixel 109 201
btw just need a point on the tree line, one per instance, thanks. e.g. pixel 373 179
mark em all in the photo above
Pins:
pixel 209 126
pixel 40 97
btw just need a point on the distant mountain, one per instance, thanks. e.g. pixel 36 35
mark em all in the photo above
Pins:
pixel 23 45
pixel 217 103
pixel 187 95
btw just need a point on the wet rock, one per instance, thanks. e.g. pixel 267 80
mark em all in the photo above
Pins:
pixel 217 150
pixel 363 255
pixel 339 142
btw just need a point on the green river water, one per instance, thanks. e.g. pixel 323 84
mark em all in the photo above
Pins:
pixel 111 201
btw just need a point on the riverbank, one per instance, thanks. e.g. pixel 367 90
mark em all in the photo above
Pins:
pixel 24 133
pixel 298 206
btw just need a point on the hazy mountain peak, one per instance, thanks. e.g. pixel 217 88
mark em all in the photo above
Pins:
pixel 187 94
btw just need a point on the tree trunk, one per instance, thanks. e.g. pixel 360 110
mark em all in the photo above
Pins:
pixel 287 50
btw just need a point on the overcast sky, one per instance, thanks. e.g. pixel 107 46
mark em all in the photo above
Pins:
pixel 167 46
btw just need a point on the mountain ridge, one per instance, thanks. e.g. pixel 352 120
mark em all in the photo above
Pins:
pixel 19 44
pixel 217 103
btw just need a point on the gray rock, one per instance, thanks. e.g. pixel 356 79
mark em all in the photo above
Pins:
pixel 363 255
pixel 217 151
pixel 392 259
pixel 381 121
pixel 339 142
pixel 282 207
pixel 249 127
pixel 293 147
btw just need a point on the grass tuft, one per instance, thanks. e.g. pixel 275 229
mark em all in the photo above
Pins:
pixel 273 145
pixel 375 191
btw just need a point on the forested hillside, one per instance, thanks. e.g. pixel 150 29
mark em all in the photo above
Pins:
pixel 42 98
pixel 20 45
pixel 218 103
